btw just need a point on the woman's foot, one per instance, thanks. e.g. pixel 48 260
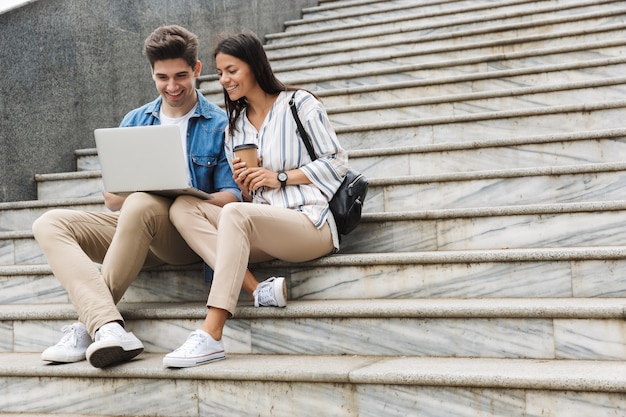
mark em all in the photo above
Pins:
pixel 199 349
pixel 271 293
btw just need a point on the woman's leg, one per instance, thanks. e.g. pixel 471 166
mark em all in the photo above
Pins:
pixel 254 233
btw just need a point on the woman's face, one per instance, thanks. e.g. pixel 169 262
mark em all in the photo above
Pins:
pixel 235 76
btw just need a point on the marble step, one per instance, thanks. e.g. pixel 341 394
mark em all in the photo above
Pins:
pixel 602 146
pixel 583 147
pixel 343 386
pixel 515 227
pixel 511 273
pixel 453 47
pixel 445 33
pixel 20 215
pixel 486 126
pixel 341 80
pixel 580 182
pixel 290 72
pixel 348 76
pixel 471 14
pixel 546 328
pixel 422 229
pixel 433 85
pixel 521 98
pixel 498 188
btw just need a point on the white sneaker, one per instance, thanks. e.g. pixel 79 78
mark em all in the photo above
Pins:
pixel 271 293
pixel 71 347
pixel 113 345
pixel 199 349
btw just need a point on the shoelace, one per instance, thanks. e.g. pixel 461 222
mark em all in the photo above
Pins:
pixel 192 342
pixel 264 295
pixel 69 338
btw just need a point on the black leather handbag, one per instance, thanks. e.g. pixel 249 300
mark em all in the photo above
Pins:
pixel 347 203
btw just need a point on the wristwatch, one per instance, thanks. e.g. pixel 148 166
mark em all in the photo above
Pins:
pixel 282 177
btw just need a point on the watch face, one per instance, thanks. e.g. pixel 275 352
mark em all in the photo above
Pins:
pixel 282 177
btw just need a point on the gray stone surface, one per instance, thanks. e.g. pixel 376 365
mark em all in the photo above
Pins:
pixel 70 66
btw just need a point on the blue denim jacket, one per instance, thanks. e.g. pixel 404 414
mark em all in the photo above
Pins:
pixel 208 165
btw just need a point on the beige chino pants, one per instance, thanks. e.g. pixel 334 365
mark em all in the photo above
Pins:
pixel 140 235
pixel 229 238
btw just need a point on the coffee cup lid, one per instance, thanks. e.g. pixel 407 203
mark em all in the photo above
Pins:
pixel 245 146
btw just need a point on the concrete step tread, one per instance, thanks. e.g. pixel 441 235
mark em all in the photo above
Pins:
pixel 476 13
pixel 480 95
pixel 562 308
pixel 409 48
pixel 473 76
pixel 487 115
pixel 457 146
pixel 427 178
pixel 574 375
pixel 34 204
pixel 440 63
pixel 423 38
pixel 397 258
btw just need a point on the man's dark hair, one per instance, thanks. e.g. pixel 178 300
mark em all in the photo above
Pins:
pixel 171 42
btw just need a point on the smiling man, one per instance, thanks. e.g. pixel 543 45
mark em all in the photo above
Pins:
pixel 137 232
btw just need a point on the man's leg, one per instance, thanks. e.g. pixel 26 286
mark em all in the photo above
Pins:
pixel 144 237
pixel 73 242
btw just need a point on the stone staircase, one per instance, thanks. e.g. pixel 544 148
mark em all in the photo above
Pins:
pixel 485 280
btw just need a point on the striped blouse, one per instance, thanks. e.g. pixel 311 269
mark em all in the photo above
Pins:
pixel 281 148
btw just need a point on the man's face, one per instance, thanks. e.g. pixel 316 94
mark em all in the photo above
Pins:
pixel 175 80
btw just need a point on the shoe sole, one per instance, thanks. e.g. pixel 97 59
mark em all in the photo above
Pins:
pixel 189 362
pixel 101 355
pixel 111 355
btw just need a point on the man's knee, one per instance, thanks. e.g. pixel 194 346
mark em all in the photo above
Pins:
pixel 139 204
pixel 45 224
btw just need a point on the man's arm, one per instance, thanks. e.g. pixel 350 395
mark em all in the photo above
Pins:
pixel 221 198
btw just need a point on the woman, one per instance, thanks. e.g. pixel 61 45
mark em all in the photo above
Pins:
pixel 289 218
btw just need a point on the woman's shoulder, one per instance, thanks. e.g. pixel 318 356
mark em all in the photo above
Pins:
pixel 304 100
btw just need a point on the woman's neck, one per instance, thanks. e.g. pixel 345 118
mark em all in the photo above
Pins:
pixel 258 108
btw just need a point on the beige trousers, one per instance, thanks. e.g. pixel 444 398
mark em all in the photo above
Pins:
pixel 229 238
pixel 140 235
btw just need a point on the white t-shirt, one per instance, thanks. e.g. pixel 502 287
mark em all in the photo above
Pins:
pixel 182 123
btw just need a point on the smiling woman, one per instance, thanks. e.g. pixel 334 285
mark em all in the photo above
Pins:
pixel 285 214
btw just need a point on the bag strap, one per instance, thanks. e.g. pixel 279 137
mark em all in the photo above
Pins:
pixel 303 134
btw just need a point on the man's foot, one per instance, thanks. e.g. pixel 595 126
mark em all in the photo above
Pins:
pixel 199 349
pixel 113 345
pixel 71 347
pixel 271 293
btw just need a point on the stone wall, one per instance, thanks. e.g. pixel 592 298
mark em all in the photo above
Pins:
pixel 70 66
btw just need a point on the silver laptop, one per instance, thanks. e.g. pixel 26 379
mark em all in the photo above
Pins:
pixel 144 158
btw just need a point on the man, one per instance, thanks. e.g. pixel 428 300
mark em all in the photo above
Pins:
pixel 138 232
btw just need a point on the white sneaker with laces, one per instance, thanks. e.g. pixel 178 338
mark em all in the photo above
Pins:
pixel 71 347
pixel 271 293
pixel 199 348
pixel 113 345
